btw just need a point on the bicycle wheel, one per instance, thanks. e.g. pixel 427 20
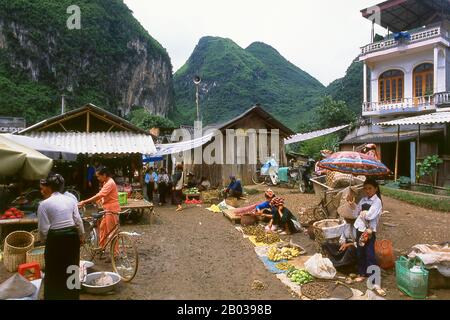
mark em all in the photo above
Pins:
pixel 87 250
pixel 124 257
pixel 257 178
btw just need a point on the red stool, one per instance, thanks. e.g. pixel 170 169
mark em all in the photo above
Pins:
pixel 31 271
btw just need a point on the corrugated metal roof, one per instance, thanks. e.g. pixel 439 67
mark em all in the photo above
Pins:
pixel 99 142
pixel 389 137
pixel 314 134
pixel 437 117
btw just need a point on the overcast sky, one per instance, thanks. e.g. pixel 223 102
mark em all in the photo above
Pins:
pixel 321 37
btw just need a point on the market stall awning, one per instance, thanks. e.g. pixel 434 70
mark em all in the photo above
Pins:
pixel 172 148
pixel 99 142
pixel 314 134
pixel 432 118
pixel 47 149
pixel 389 137
pixel 17 159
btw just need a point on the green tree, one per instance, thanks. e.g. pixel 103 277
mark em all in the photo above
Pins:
pixel 144 120
pixel 331 113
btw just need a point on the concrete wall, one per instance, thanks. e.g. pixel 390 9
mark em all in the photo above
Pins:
pixel 405 63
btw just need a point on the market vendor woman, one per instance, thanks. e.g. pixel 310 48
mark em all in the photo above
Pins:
pixel 234 189
pixel 61 228
pixel 109 198
pixel 282 217
pixel 344 253
pixel 264 208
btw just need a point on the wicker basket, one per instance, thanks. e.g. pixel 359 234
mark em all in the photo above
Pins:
pixel 327 230
pixel 36 255
pixel 17 244
pixel 248 220
pixel 35 234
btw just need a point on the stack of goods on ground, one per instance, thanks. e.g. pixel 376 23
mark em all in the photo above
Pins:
pixel 284 253
pixel 260 234
pixel 192 191
pixel 299 276
pixel 210 196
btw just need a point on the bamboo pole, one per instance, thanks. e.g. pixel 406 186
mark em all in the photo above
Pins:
pixel 397 149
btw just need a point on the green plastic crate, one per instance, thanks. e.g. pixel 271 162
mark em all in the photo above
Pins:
pixel 414 284
pixel 123 198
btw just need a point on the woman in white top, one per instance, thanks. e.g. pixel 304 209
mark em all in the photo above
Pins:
pixel 368 212
pixel 344 253
pixel 61 228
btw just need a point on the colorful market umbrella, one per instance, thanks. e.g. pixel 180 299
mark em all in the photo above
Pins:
pixel 16 159
pixel 354 163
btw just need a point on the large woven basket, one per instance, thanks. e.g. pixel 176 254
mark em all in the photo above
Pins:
pixel 17 244
pixel 36 255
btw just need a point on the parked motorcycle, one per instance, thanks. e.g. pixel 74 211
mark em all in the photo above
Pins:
pixel 305 174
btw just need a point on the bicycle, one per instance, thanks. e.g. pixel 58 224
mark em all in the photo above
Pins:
pixel 123 251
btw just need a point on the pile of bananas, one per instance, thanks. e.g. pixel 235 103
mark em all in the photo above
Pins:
pixel 283 266
pixel 275 254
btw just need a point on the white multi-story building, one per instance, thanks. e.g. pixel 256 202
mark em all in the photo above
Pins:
pixel 406 74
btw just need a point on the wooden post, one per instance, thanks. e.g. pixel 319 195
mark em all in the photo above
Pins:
pixel 397 149
pixel 88 124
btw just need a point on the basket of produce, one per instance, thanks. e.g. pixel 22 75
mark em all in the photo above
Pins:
pixel 276 253
pixel 101 282
pixel 16 246
pixel 412 277
pixel 292 245
pixel 36 255
pixel 12 213
pixel 317 290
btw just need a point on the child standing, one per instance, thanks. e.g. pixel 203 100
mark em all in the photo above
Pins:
pixel 368 211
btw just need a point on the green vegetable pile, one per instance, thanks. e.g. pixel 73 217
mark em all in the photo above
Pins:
pixel 191 191
pixel 299 276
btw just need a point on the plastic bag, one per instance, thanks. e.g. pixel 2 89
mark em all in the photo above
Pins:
pixel 320 267
pixel 297 225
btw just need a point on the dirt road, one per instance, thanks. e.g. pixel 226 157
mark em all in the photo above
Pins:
pixel 197 254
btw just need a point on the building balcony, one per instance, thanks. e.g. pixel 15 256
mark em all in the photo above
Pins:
pixel 416 36
pixel 405 105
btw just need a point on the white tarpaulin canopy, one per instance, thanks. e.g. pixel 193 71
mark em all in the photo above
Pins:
pixel 47 149
pixel 99 142
pixel 437 117
pixel 314 134
pixel 177 147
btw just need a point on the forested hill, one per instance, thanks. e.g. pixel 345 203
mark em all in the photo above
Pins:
pixel 111 61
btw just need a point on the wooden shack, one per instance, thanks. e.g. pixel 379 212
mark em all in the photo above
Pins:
pixel 255 118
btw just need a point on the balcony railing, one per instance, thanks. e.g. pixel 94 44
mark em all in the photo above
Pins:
pixel 400 105
pixel 415 37
pixel 442 99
